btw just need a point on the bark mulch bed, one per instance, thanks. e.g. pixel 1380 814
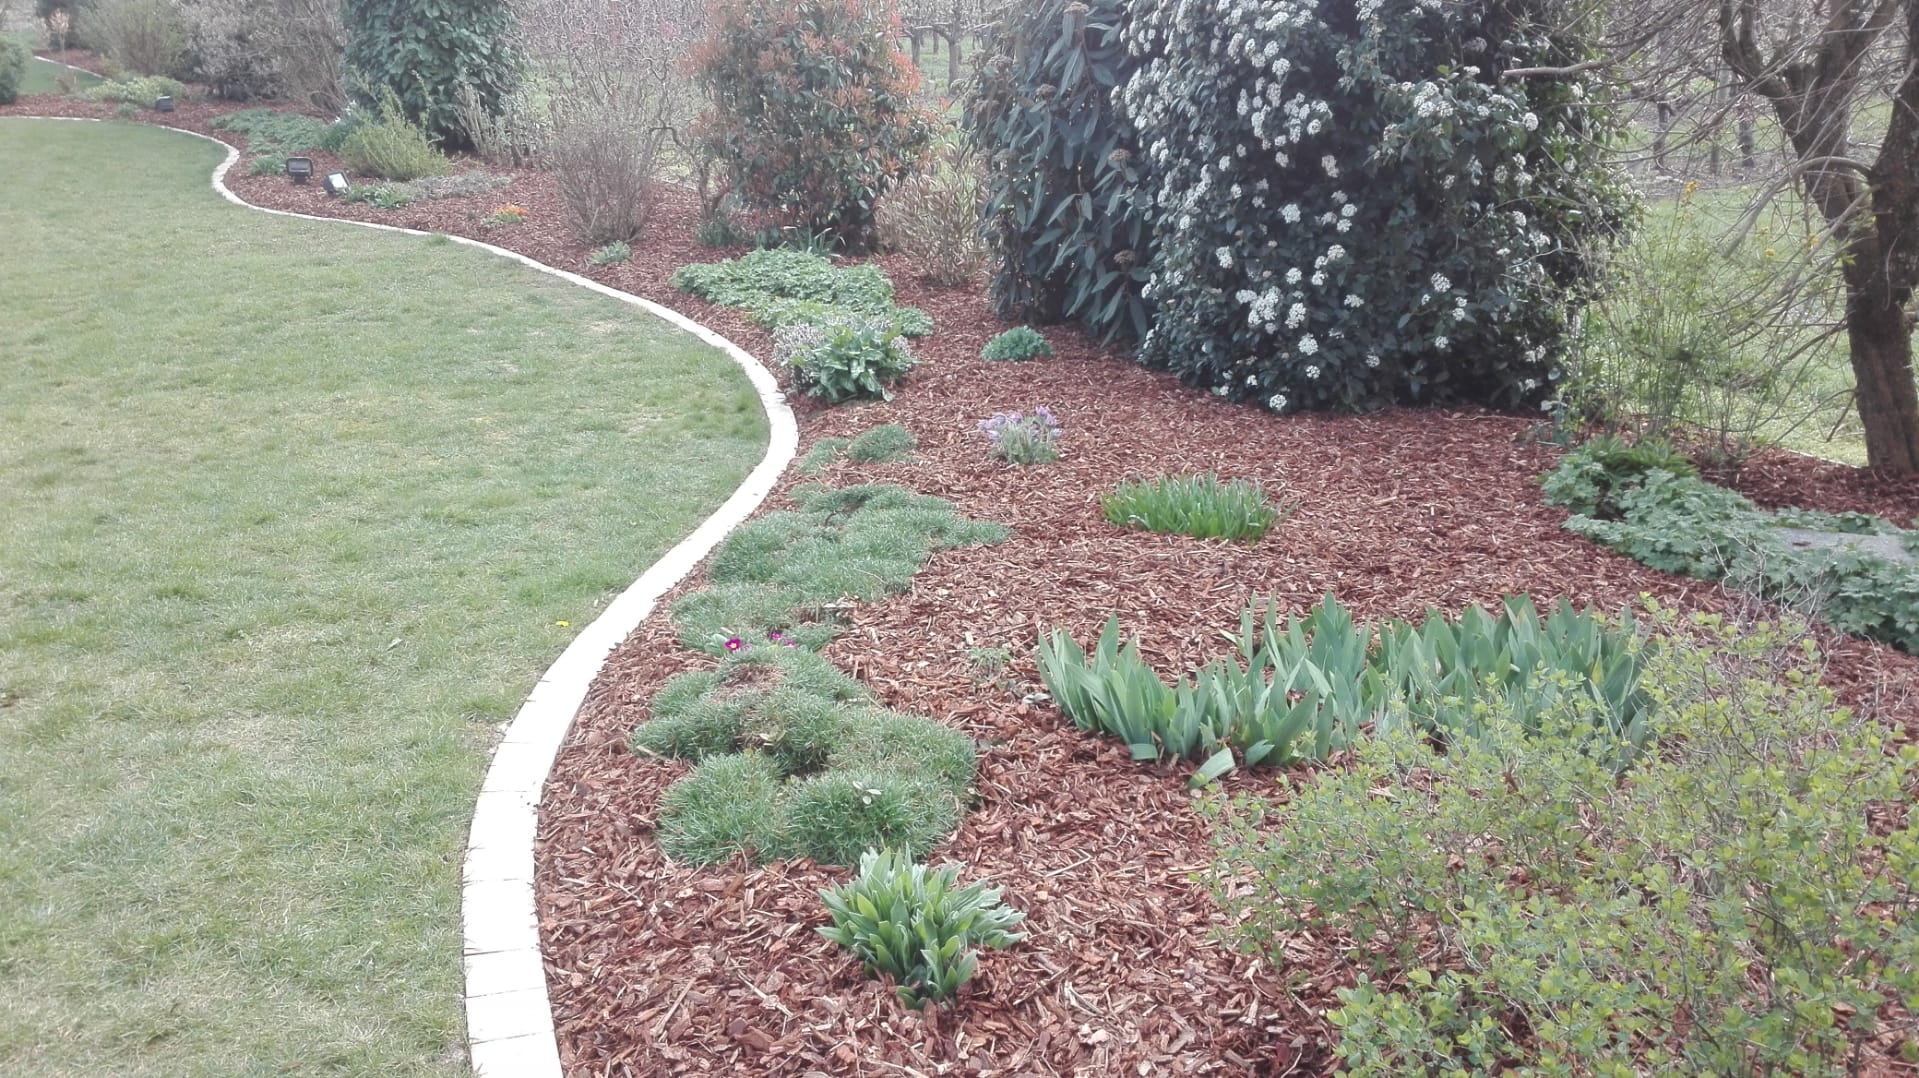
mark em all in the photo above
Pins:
pixel 659 969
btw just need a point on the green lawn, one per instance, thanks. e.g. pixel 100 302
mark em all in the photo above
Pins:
pixel 291 516
pixel 42 75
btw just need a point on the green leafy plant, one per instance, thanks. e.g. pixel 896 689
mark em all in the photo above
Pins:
pixel 882 444
pixel 421 55
pixel 1730 907
pixel 781 287
pixel 1070 240
pixel 1202 506
pixel 916 925
pixel 1405 224
pixel 932 217
pixel 14 57
pixel 140 91
pixel 1018 343
pixel 858 359
pixel 392 146
pixel 385 196
pixel 611 254
pixel 274 132
pixel 813 112
pixel 1589 477
pixel 1020 438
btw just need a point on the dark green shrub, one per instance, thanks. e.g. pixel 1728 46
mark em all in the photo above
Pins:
pixel 1069 240
pixel 813 110
pixel 1730 907
pixel 337 132
pixel 1201 506
pixel 915 925
pixel 1016 344
pixel 1589 477
pixel 882 444
pixel 1353 207
pixel 424 53
pixel 391 147
pixel 14 57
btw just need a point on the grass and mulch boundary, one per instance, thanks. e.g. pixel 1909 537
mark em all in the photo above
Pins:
pixel 664 969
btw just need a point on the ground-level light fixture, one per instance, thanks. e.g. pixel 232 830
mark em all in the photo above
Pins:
pixel 163 104
pixel 335 183
pixel 300 169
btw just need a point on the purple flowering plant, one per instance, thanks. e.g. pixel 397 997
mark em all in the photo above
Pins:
pixel 1024 437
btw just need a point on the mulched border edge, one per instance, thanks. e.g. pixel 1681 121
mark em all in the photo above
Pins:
pixel 509 1016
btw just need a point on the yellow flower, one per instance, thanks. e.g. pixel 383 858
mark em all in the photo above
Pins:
pixel 563 624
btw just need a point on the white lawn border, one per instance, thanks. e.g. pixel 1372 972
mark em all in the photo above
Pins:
pixel 509 1019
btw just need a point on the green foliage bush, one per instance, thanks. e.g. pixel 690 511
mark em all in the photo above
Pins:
pixel 1070 239
pixel 15 55
pixel 882 444
pixel 611 254
pixel 830 775
pixel 424 53
pixel 841 361
pixel 143 37
pixel 1590 475
pixel 916 925
pixel 787 571
pixel 1683 524
pixel 1353 207
pixel 1303 688
pixel 1016 344
pixel 391 147
pixel 1729 908
pixel 1201 506
pixel 813 110
pixel 140 91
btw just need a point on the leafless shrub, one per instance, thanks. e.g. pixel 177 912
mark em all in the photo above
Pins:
pixel 144 37
pixel 606 76
pixel 934 218
pixel 246 49
pixel 515 136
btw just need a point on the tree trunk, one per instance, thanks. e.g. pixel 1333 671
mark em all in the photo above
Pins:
pixel 1881 342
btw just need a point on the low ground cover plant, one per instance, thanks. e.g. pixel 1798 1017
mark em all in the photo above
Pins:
pixel 789 571
pixel 1730 907
pixel 1303 688
pixel 795 759
pixel 393 196
pixel 1023 438
pixel 273 131
pixel 781 287
pixel 1018 343
pixel 1202 506
pixel 139 90
pixel 917 925
pixel 611 254
pixel 881 445
pixel 1680 523
pixel 839 361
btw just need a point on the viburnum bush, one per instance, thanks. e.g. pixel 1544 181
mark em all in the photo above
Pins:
pixel 1069 242
pixel 1366 203
pixel 814 110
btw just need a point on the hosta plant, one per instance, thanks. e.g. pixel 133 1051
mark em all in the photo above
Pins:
pixel 917 925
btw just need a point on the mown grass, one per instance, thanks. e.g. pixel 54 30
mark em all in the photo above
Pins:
pixel 291 516
pixel 43 77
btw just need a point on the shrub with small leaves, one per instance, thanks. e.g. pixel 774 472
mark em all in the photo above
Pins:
pixel 391 147
pixel 1202 506
pixel 423 54
pixel 1018 343
pixel 611 254
pixel 1022 438
pixel 14 57
pixel 916 925
pixel 813 110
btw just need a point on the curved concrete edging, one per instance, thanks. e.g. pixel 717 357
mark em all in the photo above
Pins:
pixel 509 1018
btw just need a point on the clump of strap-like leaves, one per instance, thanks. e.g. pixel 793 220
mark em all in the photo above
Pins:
pixel 1372 202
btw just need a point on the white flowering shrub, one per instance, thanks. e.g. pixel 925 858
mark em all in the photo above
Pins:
pixel 1356 204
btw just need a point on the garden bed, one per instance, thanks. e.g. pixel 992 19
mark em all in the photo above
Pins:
pixel 656 968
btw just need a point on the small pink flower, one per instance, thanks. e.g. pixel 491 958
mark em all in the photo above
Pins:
pixel 735 644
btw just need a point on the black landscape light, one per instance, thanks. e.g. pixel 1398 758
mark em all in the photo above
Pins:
pixel 300 169
pixel 163 104
pixel 335 183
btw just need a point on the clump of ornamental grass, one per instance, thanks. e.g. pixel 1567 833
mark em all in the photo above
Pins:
pixel 1202 506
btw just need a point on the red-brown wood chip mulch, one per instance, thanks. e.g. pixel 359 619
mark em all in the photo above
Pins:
pixel 656 968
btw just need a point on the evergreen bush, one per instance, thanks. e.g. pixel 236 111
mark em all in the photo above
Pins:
pixel 814 111
pixel 424 54
pixel 14 57
pixel 1069 243
pixel 1360 203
